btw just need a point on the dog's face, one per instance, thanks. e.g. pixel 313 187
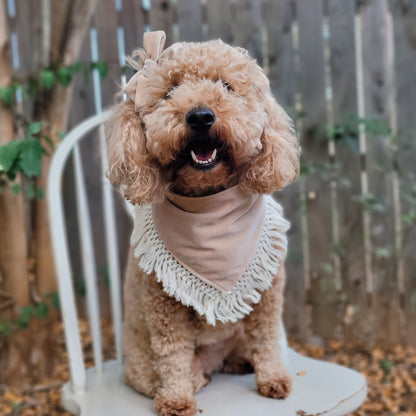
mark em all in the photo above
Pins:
pixel 207 121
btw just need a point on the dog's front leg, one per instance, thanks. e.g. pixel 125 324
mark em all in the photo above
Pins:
pixel 172 343
pixel 262 348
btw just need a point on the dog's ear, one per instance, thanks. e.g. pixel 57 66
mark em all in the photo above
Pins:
pixel 277 164
pixel 129 163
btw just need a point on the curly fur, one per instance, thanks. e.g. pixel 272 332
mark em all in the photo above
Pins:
pixel 170 350
pixel 255 130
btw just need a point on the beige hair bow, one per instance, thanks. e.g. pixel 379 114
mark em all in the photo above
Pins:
pixel 153 43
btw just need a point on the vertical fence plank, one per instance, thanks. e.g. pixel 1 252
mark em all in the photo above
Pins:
pixel 247 27
pixel 379 158
pixel 316 160
pixel 341 16
pixel 281 52
pixel 404 17
pixel 24 30
pixel 106 24
pixel 282 77
pixel 132 19
pixel 190 20
pixel 219 18
pixel 161 18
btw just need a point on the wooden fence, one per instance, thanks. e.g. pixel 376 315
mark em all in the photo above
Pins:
pixel 345 71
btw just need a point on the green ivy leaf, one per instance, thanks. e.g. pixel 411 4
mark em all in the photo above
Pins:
pixel 101 67
pixel 75 68
pixel 106 274
pixel 6 95
pixel 42 310
pixel 55 301
pixel 31 191
pixel 6 328
pixel 9 152
pixel 39 193
pixel 386 365
pixel 15 188
pixel 12 172
pixel 61 134
pixel 80 287
pixel 64 75
pixel 47 78
pixel 26 314
pixel 35 127
pixel 31 157
pixel 87 73
pixel 32 86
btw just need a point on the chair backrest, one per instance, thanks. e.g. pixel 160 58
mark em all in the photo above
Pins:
pixel 70 146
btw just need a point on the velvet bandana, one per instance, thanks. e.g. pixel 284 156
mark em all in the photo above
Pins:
pixel 215 253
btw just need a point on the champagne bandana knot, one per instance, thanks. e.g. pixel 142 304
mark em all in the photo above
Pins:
pixel 153 43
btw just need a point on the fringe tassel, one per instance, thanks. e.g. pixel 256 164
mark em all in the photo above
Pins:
pixel 214 304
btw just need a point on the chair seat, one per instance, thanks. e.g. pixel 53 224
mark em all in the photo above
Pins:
pixel 319 388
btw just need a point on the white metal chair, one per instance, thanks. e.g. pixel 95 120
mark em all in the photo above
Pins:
pixel 319 388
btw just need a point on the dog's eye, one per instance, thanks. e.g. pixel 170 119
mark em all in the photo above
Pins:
pixel 167 93
pixel 227 86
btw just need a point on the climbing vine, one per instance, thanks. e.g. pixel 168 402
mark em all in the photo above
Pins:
pixel 25 155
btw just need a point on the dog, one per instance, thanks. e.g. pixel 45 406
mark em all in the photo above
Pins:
pixel 201 132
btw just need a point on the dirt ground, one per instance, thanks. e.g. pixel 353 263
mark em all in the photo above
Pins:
pixel 391 377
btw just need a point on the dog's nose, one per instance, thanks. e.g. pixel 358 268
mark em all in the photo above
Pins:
pixel 200 119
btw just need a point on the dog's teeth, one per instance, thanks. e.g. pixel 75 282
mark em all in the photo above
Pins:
pixel 204 162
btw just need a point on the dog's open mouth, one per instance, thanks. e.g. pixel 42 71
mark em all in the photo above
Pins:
pixel 204 153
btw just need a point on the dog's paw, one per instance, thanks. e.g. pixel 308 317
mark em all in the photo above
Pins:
pixel 175 405
pixel 277 387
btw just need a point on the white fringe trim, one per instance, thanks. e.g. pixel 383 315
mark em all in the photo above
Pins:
pixel 214 304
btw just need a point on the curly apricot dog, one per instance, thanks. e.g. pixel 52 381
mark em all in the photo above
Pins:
pixel 195 148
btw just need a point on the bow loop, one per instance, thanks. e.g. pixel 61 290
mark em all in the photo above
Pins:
pixel 153 43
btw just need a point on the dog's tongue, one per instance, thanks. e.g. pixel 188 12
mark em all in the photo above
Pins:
pixel 203 155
